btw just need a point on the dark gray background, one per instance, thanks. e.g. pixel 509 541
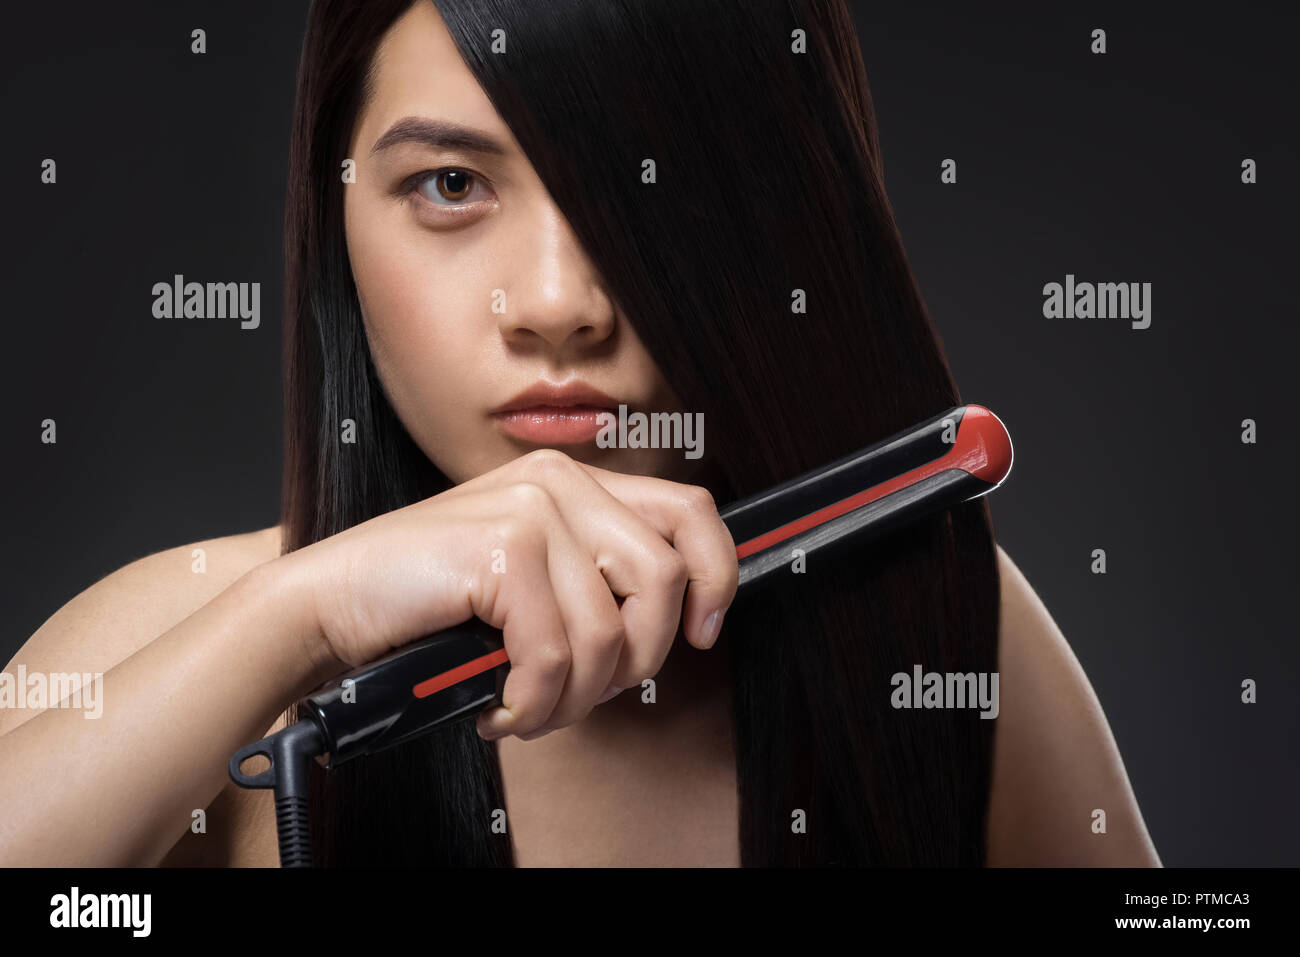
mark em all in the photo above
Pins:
pixel 1123 167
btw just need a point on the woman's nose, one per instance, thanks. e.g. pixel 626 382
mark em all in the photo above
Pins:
pixel 553 293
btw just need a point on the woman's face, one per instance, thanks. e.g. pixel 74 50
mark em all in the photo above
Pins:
pixel 472 286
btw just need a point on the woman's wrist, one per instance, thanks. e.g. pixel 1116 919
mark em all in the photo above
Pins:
pixel 282 595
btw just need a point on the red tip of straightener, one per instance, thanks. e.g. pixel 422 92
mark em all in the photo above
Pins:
pixel 983 446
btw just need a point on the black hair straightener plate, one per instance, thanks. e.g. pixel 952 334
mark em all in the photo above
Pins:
pixel 452 675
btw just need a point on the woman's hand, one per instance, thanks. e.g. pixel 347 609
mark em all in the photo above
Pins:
pixel 538 548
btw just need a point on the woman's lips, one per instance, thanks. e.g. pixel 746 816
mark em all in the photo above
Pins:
pixel 554 424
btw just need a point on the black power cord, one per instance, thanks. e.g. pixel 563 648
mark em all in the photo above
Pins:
pixel 290 752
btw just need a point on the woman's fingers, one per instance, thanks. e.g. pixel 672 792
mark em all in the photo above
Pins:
pixel 530 617
pixel 563 630
pixel 651 609
pixel 593 624
pixel 687 518
pixel 639 565
pixel 622 519
pixel 651 542
pixel 596 501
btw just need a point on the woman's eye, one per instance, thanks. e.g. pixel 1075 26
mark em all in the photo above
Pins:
pixel 447 187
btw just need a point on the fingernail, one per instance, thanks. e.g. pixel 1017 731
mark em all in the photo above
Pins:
pixel 609 693
pixel 712 625
pixel 535 734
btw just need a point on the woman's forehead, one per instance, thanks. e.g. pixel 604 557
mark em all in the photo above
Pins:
pixel 419 72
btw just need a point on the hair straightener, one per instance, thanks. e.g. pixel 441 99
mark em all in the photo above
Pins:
pixel 450 676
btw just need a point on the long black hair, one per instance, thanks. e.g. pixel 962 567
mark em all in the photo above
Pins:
pixel 769 191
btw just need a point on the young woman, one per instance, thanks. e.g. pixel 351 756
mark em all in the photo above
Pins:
pixel 503 218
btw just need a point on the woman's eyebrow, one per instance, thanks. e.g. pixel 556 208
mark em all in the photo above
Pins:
pixel 439 134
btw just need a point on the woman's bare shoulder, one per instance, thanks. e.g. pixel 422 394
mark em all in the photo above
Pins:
pixel 167 586
pixel 131 606
pixel 1061 794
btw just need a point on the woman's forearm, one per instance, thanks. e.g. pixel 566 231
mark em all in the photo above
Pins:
pixel 120 789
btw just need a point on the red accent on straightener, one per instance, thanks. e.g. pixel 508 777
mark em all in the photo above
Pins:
pixel 982 448
pixel 460 673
